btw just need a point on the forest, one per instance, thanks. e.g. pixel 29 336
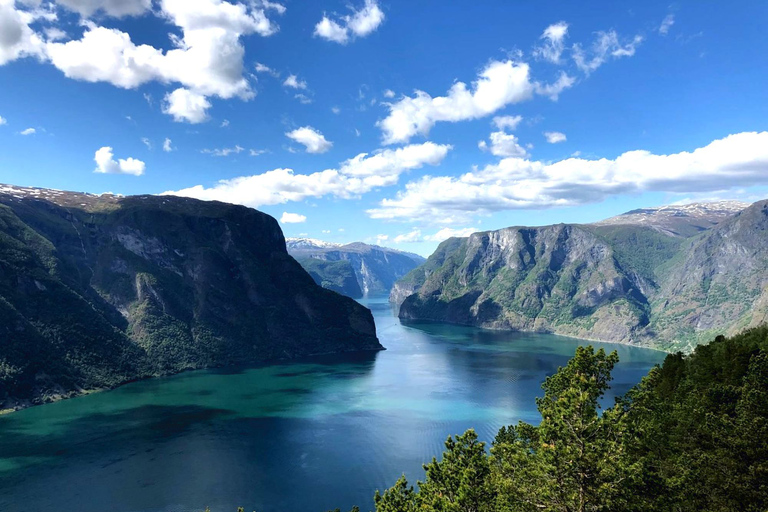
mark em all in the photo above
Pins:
pixel 691 436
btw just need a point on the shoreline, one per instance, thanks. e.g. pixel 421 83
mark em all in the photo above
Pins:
pixel 28 403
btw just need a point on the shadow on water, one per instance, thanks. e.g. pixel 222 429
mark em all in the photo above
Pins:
pixel 304 435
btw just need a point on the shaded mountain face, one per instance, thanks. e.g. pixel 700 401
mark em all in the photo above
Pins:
pixel 375 268
pixel 679 220
pixel 611 282
pixel 99 290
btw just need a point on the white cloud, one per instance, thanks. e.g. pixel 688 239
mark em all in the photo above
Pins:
pixel 28 131
pixel 185 105
pixel 106 163
pixel 498 85
pixel 359 24
pixel 3 121
pixel 335 110
pixel 293 82
pixel 504 122
pixel 555 137
pixel 332 31
pixel 311 139
pixel 666 24
pixel 606 45
pixel 54 34
pixel 738 160
pixel 504 145
pixel 554 43
pixel 17 39
pixel 354 177
pixel 389 93
pixel 444 234
pixel 261 68
pixel 303 99
pixel 116 8
pixel 168 145
pixel 412 236
pixel 146 142
pixel 257 152
pixel 224 123
pixel 207 58
pixel 292 218
pixel 223 151
pixel 553 90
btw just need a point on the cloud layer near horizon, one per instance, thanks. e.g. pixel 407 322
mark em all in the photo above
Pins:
pixel 738 160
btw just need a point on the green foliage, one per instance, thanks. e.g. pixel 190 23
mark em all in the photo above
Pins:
pixel 692 436
pixel 338 276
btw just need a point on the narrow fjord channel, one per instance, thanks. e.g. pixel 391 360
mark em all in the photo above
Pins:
pixel 304 436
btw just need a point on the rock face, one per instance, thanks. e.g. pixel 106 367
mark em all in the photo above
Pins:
pixel 99 290
pixel 338 276
pixel 375 268
pixel 612 282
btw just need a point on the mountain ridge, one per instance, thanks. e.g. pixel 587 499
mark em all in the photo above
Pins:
pixel 623 283
pixel 100 290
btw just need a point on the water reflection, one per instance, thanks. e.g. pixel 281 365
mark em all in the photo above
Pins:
pixel 309 435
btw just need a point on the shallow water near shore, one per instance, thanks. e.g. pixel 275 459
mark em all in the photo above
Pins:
pixel 305 436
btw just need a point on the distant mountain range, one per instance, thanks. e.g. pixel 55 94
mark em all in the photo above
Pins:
pixel 355 269
pixel 666 277
pixel 99 290
pixel 679 220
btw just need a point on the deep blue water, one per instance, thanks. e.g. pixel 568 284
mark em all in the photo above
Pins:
pixel 299 437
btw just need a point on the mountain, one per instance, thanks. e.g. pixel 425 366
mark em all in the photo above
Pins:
pixel 99 290
pixel 608 281
pixel 679 220
pixel 375 268
pixel 308 244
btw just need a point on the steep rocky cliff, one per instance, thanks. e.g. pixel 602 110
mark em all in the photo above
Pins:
pixel 612 282
pixel 99 290
pixel 375 268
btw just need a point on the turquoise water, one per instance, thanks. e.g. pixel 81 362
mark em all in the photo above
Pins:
pixel 305 436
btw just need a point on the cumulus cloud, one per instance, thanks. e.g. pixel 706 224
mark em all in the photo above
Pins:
pixel 354 177
pixel 358 24
pixel 186 105
pixel 444 234
pixel 504 145
pixel 116 8
pixel 17 39
pixel 737 160
pixel 168 145
pixel 498 85
pixel 106 163
pixel 292 218
pixel 555 137
pixel 553 43
pixel 3 121
pixel 507 122
pixel 206 60
pixel 605 46
pixel 146 142
pixel 294 83
pixel 311 139
pixel 28 131
pixel 666 24
pixel 389 93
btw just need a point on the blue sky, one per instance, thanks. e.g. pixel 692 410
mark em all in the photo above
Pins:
pixel 528 113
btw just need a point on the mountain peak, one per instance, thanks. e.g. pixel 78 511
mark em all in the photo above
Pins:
pixel 682 220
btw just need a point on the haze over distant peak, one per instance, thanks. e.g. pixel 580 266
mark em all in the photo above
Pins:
pixel 309 243
pixel 679 219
